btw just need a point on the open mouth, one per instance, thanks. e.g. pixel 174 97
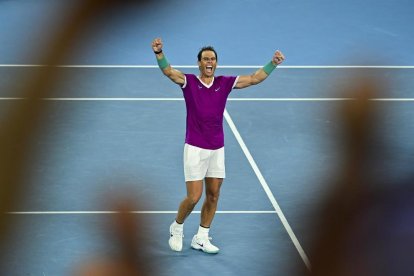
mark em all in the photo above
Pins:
pixel 209 69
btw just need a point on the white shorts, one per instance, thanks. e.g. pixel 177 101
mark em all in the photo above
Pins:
pixel 200 163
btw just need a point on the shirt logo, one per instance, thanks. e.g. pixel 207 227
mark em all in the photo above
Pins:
pixel 199 87
pixel 217 89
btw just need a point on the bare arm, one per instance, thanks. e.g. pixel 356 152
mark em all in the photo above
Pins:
pixel 260 75
pixel 173 74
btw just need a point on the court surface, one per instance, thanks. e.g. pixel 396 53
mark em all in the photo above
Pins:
pixel 115 123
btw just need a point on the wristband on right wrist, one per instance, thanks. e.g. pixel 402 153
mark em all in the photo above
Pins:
pixel 268 68
pixel 158 52
pixel 162 63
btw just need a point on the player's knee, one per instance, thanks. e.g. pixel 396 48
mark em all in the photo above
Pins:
pixel 213 197
pixel 193 199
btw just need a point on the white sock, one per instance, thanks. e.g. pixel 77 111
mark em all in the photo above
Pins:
pixel 202 231
pixel 177 225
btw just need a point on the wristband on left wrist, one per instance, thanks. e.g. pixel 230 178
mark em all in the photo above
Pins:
pixel 268 68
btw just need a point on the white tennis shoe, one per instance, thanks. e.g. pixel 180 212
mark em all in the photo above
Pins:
pixel 204 244
pixel 176 238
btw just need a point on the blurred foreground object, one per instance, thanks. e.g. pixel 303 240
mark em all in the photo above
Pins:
pixel 132 252
pixel 24 120
pixel 365 226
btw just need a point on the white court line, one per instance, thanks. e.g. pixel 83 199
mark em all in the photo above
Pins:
pixel 219 66
pixel 229 99
pixel 132 212
pixel 316 99
pixel 113 99
pixel 267 190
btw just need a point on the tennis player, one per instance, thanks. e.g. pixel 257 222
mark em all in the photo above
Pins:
pixel 205 98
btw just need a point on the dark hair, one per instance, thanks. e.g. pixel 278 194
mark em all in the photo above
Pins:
pixel 206 48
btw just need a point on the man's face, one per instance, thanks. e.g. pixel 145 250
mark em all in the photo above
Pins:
pixel 208 64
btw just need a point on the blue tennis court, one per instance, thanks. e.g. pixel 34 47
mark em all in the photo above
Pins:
pixel 113 124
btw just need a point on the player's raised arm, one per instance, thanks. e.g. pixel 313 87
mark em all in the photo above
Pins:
pixel 173 74
pixel 261 74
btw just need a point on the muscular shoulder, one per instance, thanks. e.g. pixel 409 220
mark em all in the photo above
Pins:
pixel 229 81
pixel 189 80
pixel 190 77
pixel 225 78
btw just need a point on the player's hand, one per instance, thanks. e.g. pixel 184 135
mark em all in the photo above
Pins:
pixel 278 58
pixel 156 45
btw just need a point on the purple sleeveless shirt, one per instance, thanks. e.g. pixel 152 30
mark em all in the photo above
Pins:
pixel 205 108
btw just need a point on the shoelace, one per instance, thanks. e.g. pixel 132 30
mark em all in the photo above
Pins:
pixel 177 232
pixel 209 239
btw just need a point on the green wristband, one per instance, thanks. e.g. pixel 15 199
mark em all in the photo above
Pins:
pixel 268 68
pixel 162 63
